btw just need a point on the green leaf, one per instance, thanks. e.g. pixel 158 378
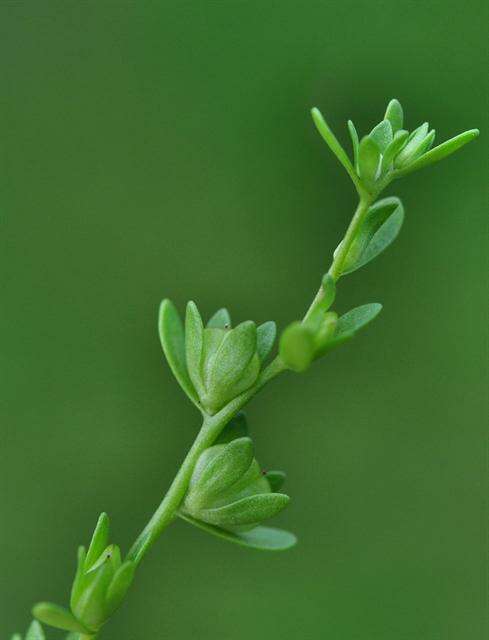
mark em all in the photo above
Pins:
pixel 78 582
pixel 297 346
pixel 382 226
pixel 90 607
pixel 100 540
pixel 315 317
pixel 250 510
pixel 333 144
pixel 354 142
pixel 398 142
pixel 119 586
pixel 58 617
pixel 16 636
pixel 414 139
pixel 441 151
pixel 265 337
pixel 172 336
pixel 261 538
pixel 194 331
pixel 422 146
pixel 35 632
pixel 220 320
pixel 276 479
pixel 237 427
pixel 382 135
pixel 222 471
pixel 394 114
pixel 357 318
pixel 368 160
pixel 73 636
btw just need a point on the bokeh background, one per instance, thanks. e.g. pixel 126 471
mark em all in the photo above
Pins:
pixel 155 149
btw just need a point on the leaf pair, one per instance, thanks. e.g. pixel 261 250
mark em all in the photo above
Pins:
pixel 216 363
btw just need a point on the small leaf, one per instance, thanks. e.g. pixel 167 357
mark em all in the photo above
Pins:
pixel 222 471
pixel 100 540
pixel 325 332
pixel 382 135
pixel 297 346
pixel 355 142
pixel 265 337
pixel 78 582
pixel 119 586
pixel 398 142
pixel 333 144
pixel 250 510
pixel 35 632
pixel 414 139
pixel 172 336
pixel 276 479
pixel 260 538
pixel 394 114
pixel 73 636
pixel 16 636
pixel 194 331
pixel 237 427
pixel 357 318
pixel 422 146
pixel 58 617
pixel 441 151
pixel 368 160
pixel 220 320
pixel 386 218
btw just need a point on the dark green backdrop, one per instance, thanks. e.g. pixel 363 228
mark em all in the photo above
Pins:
pixel 157 149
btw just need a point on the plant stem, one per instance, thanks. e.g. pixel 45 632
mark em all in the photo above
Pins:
pixel 343 249
pixel 211 428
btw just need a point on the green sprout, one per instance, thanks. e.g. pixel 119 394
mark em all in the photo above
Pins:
pixel 220 488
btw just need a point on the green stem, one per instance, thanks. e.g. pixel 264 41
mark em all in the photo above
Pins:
pixel 211 428
pixel 339 259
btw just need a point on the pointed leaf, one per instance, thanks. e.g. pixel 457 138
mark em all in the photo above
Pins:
pixel 100 540
pixel 414 139
pixel 354 142
pixel 249 510
pixel 119 586
pixel 78 582
pixel 223 471
pixel 394 114
pixel 382 135
pixel 220 320
pixel 297 346
pixel 398 142
pixel 265 337
pixel 35 632
pixel 237 427
pixel 276 479
pixel 194 331
pixel 441 151
pixel 172 336
pixel 382 236
pixel 58 617
pixel 333 144
pixel 368 160
pixel 357 318
pixel 260 538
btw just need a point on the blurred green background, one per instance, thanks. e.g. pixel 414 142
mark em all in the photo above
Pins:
pixel 156 149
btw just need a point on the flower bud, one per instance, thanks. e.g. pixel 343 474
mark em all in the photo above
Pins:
pixel 228 489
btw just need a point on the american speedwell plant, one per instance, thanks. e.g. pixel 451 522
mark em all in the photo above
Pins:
pixel 220 487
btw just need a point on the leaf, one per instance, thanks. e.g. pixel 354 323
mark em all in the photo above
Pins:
pixel 423 145
pixel 394 114
pixel 265 337
pixel 276 479
pixel 382 135
pixel 172 337
pixel 100 540
pixel 194 330
pixel 35 632
pixel 297 347
pixel 237 427
pixel 220 320
pixel 261 538
pixel 414 139
pixel 368 160
pixel 119 586
pixel 222 472
pixel 386 218
pixel 357 318
pixel 78 582
pixel 58 617
pixel 16 636
pixel 316 315
pixel 333 144
pixel 250 510
pixel 72 636
pixel 398 142
pixel 441 151
pixel 354 141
